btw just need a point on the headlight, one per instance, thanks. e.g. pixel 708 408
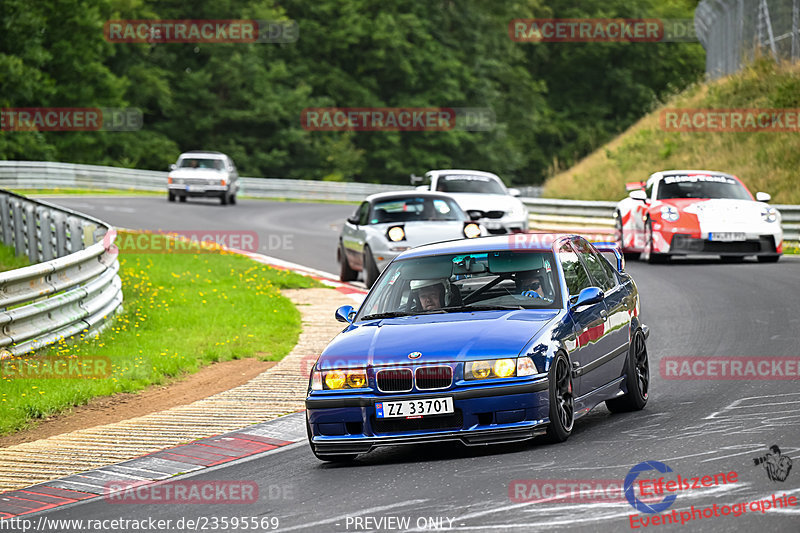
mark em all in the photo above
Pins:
pixel 472 230
pixel 500 368
pixel 339 379
pixel 396 234
pixel 769 214
pixel 669 213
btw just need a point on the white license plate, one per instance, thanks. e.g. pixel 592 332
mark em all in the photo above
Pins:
pixel 195 188
pixel 414 408
pixel 726 236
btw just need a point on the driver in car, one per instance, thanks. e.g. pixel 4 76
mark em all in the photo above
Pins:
pixel 529 283
pixel 431 293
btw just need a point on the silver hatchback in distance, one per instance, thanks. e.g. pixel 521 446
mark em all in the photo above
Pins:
pixel 386 224
pixel 203 174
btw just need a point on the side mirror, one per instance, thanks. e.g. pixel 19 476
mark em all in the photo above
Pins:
pixel 416 179
pixel 353 221
pixel 638 195
pixel 173 166
pixel 514 192
pixel 589 296
pixel 763 197
pixel 346 314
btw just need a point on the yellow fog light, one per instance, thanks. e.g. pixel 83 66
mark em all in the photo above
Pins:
pixel 356 379
pixel 478 369
pixel 396 234
pixel 471 231
pixel 335 379
pixel 504 368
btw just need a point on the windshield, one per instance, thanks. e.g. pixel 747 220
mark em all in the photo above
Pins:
pixel 415 209
pixel 193 162
pixel 464 283
pixel 701 187
pixel 469 184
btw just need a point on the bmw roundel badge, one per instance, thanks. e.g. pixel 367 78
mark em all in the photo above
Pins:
pixel 415 355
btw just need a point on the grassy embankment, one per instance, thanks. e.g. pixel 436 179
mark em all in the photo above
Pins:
pixel 765 161
pixel 181 311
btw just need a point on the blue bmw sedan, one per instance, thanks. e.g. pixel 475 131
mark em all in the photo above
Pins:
pixel 481 341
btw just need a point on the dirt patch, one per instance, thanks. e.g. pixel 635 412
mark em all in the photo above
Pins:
pixel 210 380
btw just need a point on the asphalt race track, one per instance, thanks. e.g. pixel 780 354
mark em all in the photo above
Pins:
pixel 696 427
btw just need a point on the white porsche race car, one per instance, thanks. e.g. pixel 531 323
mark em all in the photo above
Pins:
pixel 682 212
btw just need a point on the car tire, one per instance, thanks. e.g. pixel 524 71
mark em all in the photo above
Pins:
pixel 223 200
pixel 371 272
pixel 652 257
pixel 346 273
pixel 233 199
pixel 170 197
pixel 331 458
pixel 768 258
pixel 619 238
pixel 637 378
pixel 562 401
pixel 182 199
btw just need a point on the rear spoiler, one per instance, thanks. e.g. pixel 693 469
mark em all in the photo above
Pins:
pixel 634 186
pixel 614 248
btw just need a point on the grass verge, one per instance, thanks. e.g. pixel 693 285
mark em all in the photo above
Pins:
pixel 9 260
pixel 765 161
pixel 181 311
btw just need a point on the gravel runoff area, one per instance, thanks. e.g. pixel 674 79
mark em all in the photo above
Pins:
pixel 277 391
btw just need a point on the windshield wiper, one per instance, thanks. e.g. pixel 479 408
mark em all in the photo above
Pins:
pixel 395 314
pixel 462 308
pixel 391 314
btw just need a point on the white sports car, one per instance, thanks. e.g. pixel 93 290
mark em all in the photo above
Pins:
pixel 681 212
pixel 386 224
pixel 484 196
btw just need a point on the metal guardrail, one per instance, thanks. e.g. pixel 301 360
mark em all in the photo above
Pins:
pixel 73 288
pixel 593 218
pixel 47 175
pixel 596 218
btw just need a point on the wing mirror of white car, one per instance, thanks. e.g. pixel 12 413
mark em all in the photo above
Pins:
pixel 353 221
pixel 514 192
pixel 345 313
pixel 763 197
pixel 638 195
pixel 173 166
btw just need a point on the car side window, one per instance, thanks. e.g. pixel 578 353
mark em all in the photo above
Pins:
pixel 363 214
pixel 596 265
pixel 574 274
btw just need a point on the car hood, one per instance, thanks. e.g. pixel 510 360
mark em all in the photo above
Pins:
pixel 439 337
pixel 721 210
pixel 486 202
pixel 424 232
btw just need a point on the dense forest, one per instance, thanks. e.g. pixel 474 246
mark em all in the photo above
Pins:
pixel 553 102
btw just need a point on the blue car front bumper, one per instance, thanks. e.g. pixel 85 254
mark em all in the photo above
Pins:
pixel 347 424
